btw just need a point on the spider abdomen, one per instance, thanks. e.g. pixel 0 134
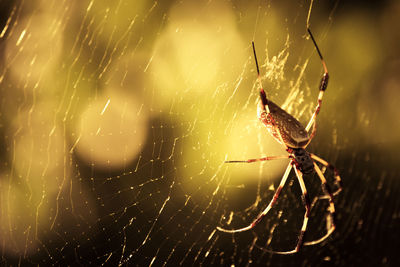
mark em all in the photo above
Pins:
pixel 293 133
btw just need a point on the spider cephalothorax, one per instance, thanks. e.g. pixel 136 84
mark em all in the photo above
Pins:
pixel 295 137
pixel 302 160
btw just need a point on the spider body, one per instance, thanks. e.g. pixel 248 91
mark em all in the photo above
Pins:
pixel 291 131
pixel 295 137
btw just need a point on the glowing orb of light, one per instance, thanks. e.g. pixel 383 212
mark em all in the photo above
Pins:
pixel 111 131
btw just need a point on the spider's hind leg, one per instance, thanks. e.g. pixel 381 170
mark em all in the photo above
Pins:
pixel 266 210
pixel 331 217
pixel 306 202
pixel 338 180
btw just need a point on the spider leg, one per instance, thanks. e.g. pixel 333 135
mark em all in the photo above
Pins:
pixel 331 209
pixel 306 202
pixel 259 159
pixel 338 181
pixel 267 209
pixel 322 87
pixel 312 133
pixel 264 99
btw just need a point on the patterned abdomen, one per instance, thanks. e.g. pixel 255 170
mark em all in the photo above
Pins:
pixel 293 133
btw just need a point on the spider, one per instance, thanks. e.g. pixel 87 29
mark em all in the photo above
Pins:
pixel 292 134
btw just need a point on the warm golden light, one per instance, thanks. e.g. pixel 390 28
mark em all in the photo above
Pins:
pixel 117 119
pixel 38 153
pixel 33 49
pixel 250 139
pixel 192 57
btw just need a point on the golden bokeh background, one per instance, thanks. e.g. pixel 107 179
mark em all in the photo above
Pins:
pixel 111 110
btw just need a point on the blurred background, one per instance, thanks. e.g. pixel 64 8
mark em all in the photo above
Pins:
pixel 116 118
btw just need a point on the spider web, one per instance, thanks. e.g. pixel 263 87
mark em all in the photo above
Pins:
pixel 117 117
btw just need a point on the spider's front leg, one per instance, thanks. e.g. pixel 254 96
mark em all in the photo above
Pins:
pixel 259 159
pixel 264 101
pixel 322 87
